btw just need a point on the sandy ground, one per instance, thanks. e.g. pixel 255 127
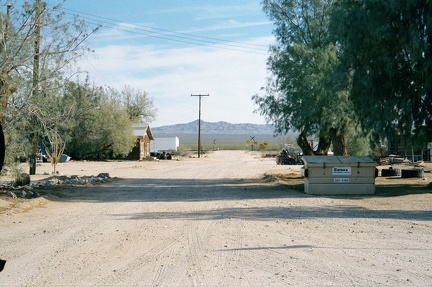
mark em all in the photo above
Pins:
pixel 221 220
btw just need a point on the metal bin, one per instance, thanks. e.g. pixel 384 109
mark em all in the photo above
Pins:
pixel 339 175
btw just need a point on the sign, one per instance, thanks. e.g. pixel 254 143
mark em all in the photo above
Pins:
pixel 341 170
pixel 341 180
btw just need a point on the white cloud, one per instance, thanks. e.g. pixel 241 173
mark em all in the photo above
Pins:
pixel 170 76
pixel 209 11
pixel 227 25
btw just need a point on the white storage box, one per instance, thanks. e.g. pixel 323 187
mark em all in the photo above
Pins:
pixel 333 175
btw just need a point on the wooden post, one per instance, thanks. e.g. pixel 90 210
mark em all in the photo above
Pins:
pixel 199 122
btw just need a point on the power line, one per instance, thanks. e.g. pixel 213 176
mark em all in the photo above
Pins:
pixel 164 31
pixel 171 35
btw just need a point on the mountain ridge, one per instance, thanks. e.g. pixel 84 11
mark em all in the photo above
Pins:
pixel 220 127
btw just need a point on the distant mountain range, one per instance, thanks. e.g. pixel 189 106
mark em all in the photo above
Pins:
pixel 215 128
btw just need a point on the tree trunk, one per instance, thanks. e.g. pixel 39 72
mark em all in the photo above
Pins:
pixel 304 144
pixel 2 148
pixel 339 142
pixel 323 145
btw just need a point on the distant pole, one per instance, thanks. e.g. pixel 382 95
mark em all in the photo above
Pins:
pixel 199 122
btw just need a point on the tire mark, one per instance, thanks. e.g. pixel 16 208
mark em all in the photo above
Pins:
pixel 195 255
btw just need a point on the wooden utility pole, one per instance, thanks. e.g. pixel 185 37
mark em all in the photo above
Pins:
pixel 35 87
pixel 4 104
pixel 6 28
pixel 199 122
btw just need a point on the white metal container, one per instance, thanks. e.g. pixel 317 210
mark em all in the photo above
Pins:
pixel 337 175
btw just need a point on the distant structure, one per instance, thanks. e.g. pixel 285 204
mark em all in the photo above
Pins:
pixel 168 144
pixel 144 135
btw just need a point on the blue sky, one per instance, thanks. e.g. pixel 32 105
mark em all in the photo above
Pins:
pixel 172 49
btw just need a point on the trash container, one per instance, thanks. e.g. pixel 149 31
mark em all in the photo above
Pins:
pixel 339 175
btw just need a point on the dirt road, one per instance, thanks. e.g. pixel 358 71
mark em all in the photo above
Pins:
pixel 214 221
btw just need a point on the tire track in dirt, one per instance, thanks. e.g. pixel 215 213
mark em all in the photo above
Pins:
pixel 239 260
pixel 196 255
pixel 166 267
pixel 156 266
pixel 208 222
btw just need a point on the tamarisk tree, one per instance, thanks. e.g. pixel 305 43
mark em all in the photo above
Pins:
pixel 387 47
pixel 305 91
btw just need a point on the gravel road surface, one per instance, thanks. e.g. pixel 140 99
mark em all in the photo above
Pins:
pixel 214 221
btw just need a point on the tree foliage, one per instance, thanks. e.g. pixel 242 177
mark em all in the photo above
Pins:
pixel 101 125
pixel 306 92
pixel 52 121
pixel 38 43
pixel 88 122
pixel 387 47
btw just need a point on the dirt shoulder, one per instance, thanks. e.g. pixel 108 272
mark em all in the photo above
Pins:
pixel 231 218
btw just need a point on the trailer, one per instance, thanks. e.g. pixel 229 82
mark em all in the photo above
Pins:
pixel 158 145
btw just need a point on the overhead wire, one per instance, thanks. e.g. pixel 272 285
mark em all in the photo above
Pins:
pixel 168 35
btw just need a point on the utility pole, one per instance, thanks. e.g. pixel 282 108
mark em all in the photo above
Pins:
pixel 199 122
pixel 6 28
pixel 35 87
pixel 6 88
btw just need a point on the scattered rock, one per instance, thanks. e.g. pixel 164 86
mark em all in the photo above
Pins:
pixel 22 194
pixel 103 175
pixel 27 190
pixel 11 194
pixel 51 182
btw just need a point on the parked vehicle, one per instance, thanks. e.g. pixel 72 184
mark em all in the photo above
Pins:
pixel 162 155
pixel 285 159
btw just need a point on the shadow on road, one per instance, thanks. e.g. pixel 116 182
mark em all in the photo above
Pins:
pixel 297 212
pixel 173 190
pixel 184 190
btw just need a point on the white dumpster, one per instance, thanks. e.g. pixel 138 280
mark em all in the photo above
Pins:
pixel 338 175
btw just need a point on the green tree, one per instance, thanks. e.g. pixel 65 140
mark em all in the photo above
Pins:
pixel 85 99
pixel 7 82
pixel 387 47
pixel 55 120
pixel 38 44
pixel 306 91
pixel 112 135
pixel 101 127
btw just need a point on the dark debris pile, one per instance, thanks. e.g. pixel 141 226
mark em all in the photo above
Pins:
pixel 30 190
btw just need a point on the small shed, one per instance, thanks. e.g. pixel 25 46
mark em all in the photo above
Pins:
pixel 144 135
pixel 338 175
